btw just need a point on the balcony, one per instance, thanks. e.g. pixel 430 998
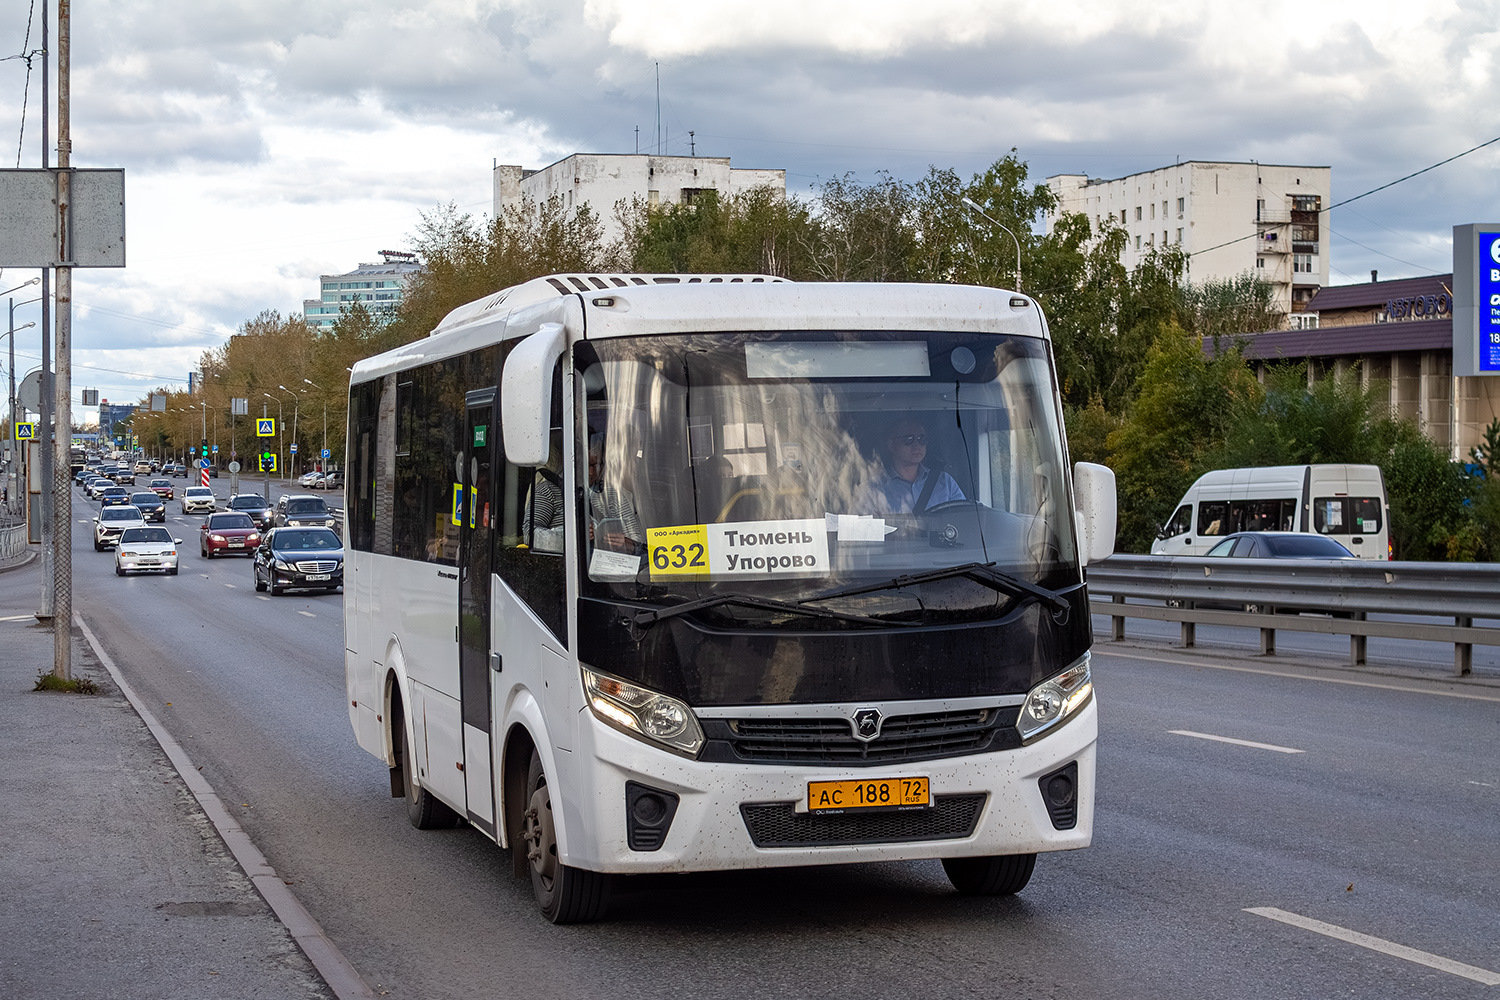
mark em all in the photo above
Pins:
pixel 1277 215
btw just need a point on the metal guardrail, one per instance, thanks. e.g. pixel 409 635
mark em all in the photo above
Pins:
pixel 1269 594
pixel 12 543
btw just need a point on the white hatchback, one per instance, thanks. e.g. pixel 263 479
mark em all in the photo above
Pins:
pixel 146 548
pixel 198 500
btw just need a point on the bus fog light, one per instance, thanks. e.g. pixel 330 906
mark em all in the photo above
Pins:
pixel 1055 700
pixel 643 713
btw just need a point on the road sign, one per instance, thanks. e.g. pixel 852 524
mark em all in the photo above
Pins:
pixel 216 449
pixel 265 427
pixel 203 475
pixel 326 453
pixel 234 467
pixel 202 463
pixel 268 462
pixel 294 449
pixel 26 431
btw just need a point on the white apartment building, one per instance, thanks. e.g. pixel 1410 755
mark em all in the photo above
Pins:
pixel 378 287
pixel 1267 219
pixel 601 180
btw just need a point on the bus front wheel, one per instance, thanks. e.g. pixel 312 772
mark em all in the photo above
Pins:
pixel 566 895
pixel 999 875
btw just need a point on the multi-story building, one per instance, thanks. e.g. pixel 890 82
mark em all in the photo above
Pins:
pixel 1230 218
pixel 602 180
pixel 378 287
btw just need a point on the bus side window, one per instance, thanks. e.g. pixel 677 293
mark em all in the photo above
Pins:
pixel 1211 517
pixel 529 553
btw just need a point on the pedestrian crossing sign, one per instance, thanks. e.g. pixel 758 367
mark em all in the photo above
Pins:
pixel 265 427
pixel 25 431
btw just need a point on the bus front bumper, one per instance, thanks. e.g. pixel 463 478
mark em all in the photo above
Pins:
pixel 718 804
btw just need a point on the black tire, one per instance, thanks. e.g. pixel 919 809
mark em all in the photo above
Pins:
pixel 277 591
pixel 997 875
pixel 172 571
pixel 259 587
pixel 119 571
pixel 423 809
pixel 98 547
pixel 565 895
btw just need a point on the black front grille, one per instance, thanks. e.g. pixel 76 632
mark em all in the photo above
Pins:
pixel 777 824
pixel 830 740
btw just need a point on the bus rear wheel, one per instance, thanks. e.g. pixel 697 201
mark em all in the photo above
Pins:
pixel 566 895
pixel 422 808
pixel 998 875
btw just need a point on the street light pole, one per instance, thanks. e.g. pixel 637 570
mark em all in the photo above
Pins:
pixel 322 458
pixel 970 202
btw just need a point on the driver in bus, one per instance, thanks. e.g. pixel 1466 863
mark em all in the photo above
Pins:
pixel 909 486
pixel 614 523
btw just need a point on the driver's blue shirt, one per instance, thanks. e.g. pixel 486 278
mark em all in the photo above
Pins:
pixel 901 496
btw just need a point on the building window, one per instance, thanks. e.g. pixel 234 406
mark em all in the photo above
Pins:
pixel 1260 262
pixel 1307 202
pixel 1153 210
pixel 1137 213
pixel 1181 206
pixel 1304 321
pixel 1122 217
pixel 1302 263
pixel 1179 236
pixel 1137 242
pixel 1260 208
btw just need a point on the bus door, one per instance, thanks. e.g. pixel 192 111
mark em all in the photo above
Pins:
pixel 476 518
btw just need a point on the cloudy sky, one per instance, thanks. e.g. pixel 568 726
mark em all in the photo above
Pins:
pixel 266 142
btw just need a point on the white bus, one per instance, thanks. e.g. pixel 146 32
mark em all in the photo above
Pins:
pixel 658 573
pixel 1345 502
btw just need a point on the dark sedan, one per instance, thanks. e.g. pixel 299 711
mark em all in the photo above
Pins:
pixel 233 531
pixel 256 506
pixel 153 507
pixel 299 558
pixel 113 495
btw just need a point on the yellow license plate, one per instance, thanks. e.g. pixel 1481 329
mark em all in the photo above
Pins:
pixel 867 794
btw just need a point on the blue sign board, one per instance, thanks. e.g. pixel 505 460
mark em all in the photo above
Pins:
pixel 326 453
pixel 294 449
pixel 216 449
pixel 202 463
pixel 1489 301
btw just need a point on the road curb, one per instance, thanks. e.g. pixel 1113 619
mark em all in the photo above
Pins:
pixel 340 975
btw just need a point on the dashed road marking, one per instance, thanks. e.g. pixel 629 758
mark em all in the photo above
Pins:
pixel 1230 739
pixel 263 597
pixel 309 614
pixel 1381 945
pixel 231 586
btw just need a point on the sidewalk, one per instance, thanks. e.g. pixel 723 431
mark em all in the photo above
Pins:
pixel 115 883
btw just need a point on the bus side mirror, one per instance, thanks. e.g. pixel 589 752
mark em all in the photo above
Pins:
pixel 526 396
pixel 1097 514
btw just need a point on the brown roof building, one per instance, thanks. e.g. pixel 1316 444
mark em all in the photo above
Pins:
pixel 1399 333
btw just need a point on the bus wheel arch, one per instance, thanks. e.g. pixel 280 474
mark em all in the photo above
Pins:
pixel 423 809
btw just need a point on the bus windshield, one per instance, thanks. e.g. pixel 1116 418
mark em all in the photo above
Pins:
pixel 789 466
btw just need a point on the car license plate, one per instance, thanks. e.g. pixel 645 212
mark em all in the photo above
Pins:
pixel 236 545
pixel 867 794
pixel 320 576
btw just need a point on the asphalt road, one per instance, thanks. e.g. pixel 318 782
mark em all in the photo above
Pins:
pixel 1384 824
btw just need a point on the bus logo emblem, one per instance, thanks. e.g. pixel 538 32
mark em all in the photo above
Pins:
pixel 866 724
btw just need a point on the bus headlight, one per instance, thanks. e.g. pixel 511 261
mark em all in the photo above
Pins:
pixel 1055 700
pixel 642 713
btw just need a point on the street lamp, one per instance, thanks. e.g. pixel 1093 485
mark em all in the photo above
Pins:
pixel 970 202
pixel 323 454
pixel 296 409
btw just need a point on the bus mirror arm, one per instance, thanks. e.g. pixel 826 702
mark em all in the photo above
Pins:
pixel 1097 511
pixel 526 396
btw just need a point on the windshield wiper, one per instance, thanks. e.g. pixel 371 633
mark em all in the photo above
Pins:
pixel 647 618
pixel 984 573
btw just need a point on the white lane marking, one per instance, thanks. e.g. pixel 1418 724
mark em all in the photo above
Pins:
pixel 1298 677
pixel 231 586
pixel 1230 739
pixel 263 597
pixel 307 613
pixel 1486 784
pixel 1381 945
pixel 337 970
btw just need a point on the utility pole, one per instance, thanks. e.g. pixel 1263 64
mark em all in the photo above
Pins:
pixel 62 492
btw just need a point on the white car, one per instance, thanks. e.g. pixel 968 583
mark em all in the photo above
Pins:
pixel 146 548
pixel 113 520
pixel 198 500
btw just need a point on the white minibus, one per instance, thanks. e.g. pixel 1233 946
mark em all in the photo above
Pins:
pixel 627 590
pixel 1345 502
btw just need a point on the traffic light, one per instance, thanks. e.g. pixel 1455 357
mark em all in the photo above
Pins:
pixel 205 447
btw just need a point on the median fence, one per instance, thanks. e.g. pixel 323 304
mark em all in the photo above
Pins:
pixel 12 543
pixel 1271 595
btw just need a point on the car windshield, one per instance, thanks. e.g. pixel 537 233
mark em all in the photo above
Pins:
pixel 145 535
pixel 150 499
pixel 160 482
pixel 248 502
pixel 1306 546
pixel 312 506
pixel 789 465
pixel 219 522
pixel 305 540
pixel 120 514
pixel 199 491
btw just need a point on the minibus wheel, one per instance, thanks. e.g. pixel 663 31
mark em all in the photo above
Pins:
pixel 422 807
pixel 998 875
pixel 566 895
